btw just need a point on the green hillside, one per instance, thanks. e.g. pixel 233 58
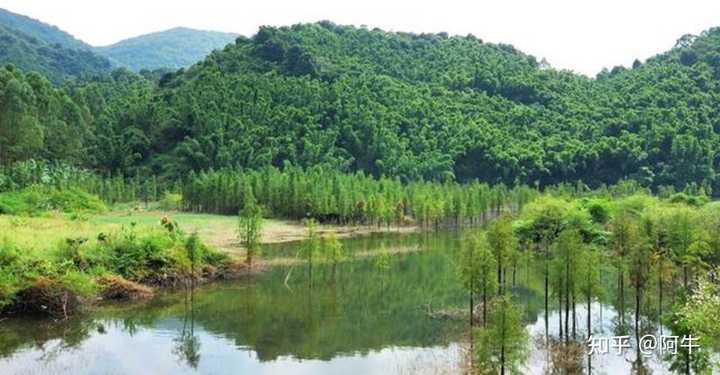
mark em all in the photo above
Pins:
pixel 435 107
pixel 34 46
pixel 174 49
pixel 52 60
pixel 427 106
pixel 39 30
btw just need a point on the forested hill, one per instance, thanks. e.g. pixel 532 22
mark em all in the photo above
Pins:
pixel 426 106
pixel 40 30
pixel 172 49
pixel 434 107
pixel 34 46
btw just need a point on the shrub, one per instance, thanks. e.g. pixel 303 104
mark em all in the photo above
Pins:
pixel 34 200
pixel 171 201
pixel 690 200
pixel 599 212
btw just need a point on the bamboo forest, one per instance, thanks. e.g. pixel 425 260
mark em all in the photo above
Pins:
pixel 330 199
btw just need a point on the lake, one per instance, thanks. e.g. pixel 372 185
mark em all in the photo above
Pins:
pixel 356 318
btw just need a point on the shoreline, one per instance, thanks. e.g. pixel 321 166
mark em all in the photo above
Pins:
pixel 52 297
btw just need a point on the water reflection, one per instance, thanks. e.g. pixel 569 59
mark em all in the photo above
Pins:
pixel 361 318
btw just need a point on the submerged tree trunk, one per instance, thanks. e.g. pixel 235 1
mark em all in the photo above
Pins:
pixel 502 346
pixel 637 313
pixel 472 322
pixel 589 316
pixel 660 297
pixel 547 326
pixel 622 297
pixel 567 301
pixel 560 309
pixel 574 316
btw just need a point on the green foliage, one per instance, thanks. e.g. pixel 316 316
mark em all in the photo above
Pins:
pixel 154 257
pixel 53 60
pixel 171 201
pixel 407 106
pixel 38 199
pixel 599 211
pixel 40 30
pixel 312 245
pixel 250 225
pixel 172 49
pixel 477 265
pixel 332 249
pixel 702 313
pixel 329 196
pixel 690 200
pixel 383 261
pixel 503 343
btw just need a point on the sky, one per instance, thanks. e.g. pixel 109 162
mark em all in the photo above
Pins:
pixel 580 35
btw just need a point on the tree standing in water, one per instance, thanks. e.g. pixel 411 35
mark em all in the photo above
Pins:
pixel 640 254
pixel 654 228
pixel 544 219
pixel 503 344
pixel 502 242
pixel 589 279
pixel 250 226
pixel 477 267
pixel 333 251
pixel 624 235
pixel 311 248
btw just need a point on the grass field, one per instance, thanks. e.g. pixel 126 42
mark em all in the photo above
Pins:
pixel 39 233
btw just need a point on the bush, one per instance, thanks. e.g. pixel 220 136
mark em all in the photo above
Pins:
pixel 59 282
pixel 598 211
pixel 35 200
pixel 171 201
pixel 690 200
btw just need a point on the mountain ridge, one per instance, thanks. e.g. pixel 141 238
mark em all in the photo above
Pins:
pixel 175 48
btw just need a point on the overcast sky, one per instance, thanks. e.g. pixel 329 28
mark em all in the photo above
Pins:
pixel 583 36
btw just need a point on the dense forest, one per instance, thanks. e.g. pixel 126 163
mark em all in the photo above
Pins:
pixel 40 30
pixel 54 61
pixel 171 49
pixel 35 46
pixel 428 106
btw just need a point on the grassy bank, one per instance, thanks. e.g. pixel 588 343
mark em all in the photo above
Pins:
pixel 59 263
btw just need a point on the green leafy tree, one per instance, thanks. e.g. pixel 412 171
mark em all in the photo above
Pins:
pixel 250 227
pixel 503 344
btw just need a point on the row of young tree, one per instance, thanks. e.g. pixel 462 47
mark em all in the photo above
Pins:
pixel 61 176
pixel 329 196
pixel 660 252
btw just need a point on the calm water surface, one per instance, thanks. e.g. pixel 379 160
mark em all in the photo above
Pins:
pixel 355 319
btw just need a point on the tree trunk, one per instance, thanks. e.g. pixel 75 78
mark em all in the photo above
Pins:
pixel 637 313
pixel 574 316
pixel 660 297
pixel 502 345
pixel 500 277
pixel 484 305
pixel 589 318
pixel 547 327
pixel 567 301
pixel 622 298
pixel 472 339
pixel 560 309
